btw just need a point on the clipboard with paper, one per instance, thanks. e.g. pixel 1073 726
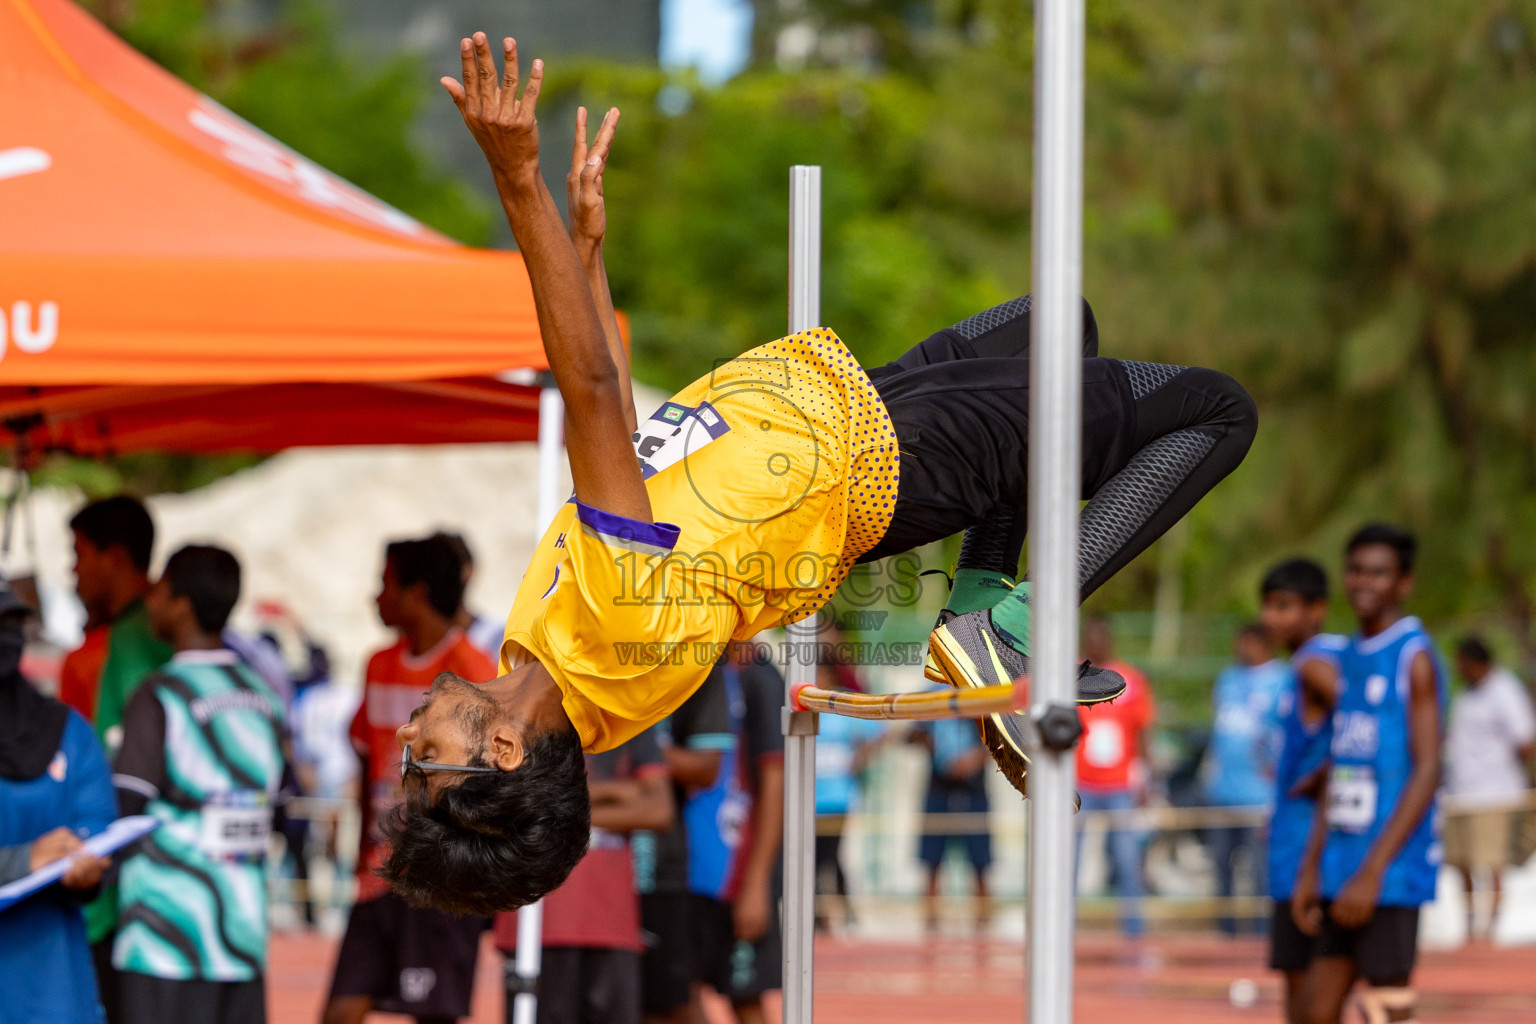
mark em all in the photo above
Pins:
pixel 114 837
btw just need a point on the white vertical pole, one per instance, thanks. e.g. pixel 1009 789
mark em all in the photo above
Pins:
pixel 800 728
pixel 1055 436
pixel 526 962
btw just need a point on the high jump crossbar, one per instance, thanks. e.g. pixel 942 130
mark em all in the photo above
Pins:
pixel 1054 486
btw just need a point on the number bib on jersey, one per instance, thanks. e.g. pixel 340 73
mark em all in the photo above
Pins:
pixel 236 826
pixel 1351 798
pixel 673 432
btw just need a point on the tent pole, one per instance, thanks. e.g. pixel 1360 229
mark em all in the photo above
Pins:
pixel 1054 442
pixel 800 726
pixel 523 978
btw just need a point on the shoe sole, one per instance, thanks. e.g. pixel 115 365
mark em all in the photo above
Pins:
pixel 954 666
pixel 958 670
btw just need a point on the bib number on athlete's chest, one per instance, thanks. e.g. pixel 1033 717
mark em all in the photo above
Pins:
pixel 674 432
pixel 236 826
pixel 1351 798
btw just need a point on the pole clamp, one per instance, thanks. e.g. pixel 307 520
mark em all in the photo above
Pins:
pixel 1059 727
pixel 799 723
pixel 518 984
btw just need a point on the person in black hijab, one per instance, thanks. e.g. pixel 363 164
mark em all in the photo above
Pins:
pixel 55 789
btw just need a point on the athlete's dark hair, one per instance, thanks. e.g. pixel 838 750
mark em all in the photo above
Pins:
pixel 1475 650
pixel 118 522
pixel 495 841
pixel 1300 576
pixel 1254 630
pixel 209 578
pixel 431 561
pixel 1394 537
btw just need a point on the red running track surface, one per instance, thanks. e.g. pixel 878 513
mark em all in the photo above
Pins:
pixel 1183 979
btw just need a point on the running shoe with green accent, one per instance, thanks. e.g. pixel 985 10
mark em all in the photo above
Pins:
pixel 969 654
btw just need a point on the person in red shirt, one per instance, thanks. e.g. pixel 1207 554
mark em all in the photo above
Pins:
pixel 396 958
pixel 1112 767
pixel 592 943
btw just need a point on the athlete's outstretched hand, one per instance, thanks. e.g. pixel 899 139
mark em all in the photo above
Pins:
pixel 502 122
pixel 584 185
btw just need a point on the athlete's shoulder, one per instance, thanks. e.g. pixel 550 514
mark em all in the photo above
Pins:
pixel 1322 646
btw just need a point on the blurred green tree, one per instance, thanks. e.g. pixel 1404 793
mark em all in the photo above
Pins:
pixel 1326 200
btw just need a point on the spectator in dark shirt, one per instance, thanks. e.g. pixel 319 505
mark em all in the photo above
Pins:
pixel 592 945
pixel 957 785
pixel 695 740
pixel 735 829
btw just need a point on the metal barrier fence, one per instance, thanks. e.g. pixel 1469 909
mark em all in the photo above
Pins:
pixel 880 851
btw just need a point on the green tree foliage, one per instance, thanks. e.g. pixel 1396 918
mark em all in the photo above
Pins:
pixel 1327 200
pixel 294 80
pixel 1330 200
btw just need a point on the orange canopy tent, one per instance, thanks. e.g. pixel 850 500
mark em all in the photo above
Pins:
pixel 172 278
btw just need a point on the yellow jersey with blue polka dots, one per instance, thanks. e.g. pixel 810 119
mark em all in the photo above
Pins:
pixel 767 478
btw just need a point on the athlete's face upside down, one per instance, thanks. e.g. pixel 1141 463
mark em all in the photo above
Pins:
pixel 496 811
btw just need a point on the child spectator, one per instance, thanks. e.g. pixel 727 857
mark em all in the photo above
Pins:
pixel 957 785
pixel 1240 761
pixel 1112 767
pixel 843 749
pixel 396 958
pixel 202 751
pixel 590 970
pixel 735 830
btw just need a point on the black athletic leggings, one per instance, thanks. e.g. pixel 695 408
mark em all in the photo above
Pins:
pixel 1156 439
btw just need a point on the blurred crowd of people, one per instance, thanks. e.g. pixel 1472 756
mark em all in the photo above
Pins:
pixel 241 745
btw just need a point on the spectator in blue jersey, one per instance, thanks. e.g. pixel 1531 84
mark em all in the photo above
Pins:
pixel 1374 852
pixel 843 749
pixel 54 787
pixel 202 751
pixel 1240 761
pixel 1294 598
pixel 735 830
pixel 957 785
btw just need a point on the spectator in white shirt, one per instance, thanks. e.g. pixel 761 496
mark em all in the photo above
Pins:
pixel 1491 738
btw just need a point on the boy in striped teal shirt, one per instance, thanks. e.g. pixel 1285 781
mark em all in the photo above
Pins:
pixel 202 751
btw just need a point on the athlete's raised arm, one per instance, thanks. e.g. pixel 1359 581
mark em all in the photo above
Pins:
pixel 589 225
pixel 597 428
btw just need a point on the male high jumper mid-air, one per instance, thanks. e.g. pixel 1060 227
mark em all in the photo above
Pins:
pixel 740 505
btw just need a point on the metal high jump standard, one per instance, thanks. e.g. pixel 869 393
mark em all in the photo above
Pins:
pixel 1054 442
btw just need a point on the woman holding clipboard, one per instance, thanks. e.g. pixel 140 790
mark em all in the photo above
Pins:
pixel 55 786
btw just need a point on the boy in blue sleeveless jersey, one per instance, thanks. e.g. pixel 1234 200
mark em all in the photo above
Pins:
pixel 1374 851
pixel 1294 598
